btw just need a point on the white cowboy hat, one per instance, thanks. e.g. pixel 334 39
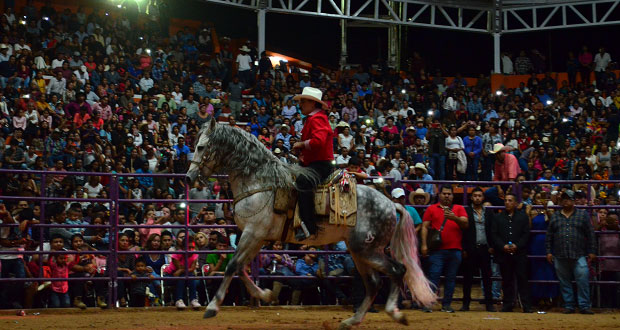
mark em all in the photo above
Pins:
pixel 398 192
pixel 420 166
pixel 342 124
pixel 311 93
pixel 531 118
pixel 419 192
pixel 499 147
pixel 410 128
pixel 277 151
pixel 244 48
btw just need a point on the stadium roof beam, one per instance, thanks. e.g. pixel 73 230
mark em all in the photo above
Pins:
pixel 495 17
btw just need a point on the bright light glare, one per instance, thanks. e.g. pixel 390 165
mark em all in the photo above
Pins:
pixel 404 91
pixel 499 93
pixel 549 102
pixel 182 205
pixel 148 51
pixel 119 6
pixel 278 59
pixel 430 112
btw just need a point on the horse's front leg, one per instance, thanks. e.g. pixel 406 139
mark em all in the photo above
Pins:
pixel 248 247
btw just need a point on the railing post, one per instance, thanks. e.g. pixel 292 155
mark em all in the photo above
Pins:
pixel 42 220
pixel 113 256
pixel 465 192
pixel 186 231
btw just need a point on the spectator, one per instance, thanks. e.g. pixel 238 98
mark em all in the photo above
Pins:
pixel 141 277
pixel 510 231
pixel 179 268
pixel 585 61
pixel 477 249
pixel 570 245
pixel 449 220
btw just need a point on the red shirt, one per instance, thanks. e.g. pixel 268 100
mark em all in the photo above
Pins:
pixel 318 137
pixel 451 235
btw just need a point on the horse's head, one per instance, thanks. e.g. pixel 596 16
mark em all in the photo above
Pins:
pixel 202 164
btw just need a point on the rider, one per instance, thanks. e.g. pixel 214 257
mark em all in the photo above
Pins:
pixel 317 153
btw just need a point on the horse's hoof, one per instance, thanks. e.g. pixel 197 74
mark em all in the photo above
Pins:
pixel 209 313
pixel 344 326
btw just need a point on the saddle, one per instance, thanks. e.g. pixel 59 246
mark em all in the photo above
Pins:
pixel 335 199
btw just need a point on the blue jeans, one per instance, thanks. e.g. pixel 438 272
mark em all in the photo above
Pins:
pixel 59 300
pixel 567 270
pixel 472 168
pixel 180 286
pixel 444 262
pixel 438 166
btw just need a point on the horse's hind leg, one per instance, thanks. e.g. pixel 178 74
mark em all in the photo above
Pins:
pixel 395 270
pixel 248 247
pixel 372 282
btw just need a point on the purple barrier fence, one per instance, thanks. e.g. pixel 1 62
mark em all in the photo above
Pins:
pixel 114 201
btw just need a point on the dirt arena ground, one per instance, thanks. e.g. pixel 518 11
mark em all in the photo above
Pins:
pixel 294 318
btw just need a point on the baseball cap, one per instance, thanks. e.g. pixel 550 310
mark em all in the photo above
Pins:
pixel 398 193
pixel 568 194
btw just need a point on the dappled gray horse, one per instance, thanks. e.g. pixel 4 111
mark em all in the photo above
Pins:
pixel 255 173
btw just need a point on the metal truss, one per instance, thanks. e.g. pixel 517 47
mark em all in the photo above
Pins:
pixel 559 15
pixel 471 16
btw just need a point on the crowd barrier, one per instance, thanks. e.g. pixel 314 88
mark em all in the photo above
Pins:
pixel 114 227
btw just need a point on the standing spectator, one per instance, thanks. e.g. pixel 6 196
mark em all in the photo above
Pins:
pixel 10 240
pixel 244 66
pixel 523 64
pixel 585 65
pixel 477 249
pixel 510 231
pixel 506 169
pixel 450 220
pixel 489 139
pixel 570 245
pixel 540 270
pixel 437 149
pixel 601 61
pixel 473 150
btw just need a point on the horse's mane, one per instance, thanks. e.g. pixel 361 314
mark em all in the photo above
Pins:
pixel 240 154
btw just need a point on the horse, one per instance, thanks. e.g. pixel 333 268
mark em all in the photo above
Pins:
pixel 254 174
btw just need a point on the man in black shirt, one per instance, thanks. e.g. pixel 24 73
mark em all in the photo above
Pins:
pixel 510 231
pixel 477 249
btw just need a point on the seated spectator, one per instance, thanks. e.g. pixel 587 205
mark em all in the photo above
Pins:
pixel 306 266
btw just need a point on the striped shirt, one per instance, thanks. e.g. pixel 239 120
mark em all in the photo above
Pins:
pixel 571 237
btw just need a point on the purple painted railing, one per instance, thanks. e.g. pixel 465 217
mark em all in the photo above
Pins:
pixel 114 201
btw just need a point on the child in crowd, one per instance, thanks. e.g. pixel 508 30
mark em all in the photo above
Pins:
pixel 141 278
pixel 59 266
pixel 179 268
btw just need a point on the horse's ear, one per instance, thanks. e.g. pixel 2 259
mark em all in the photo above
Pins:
pixel 212 124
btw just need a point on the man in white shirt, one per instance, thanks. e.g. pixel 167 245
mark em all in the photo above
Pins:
pixel 244 65
pixel 21 46
pixel 404 112
pixel 601 61
pixel 507 65
pixel 57 62
pixel 342 160
pixel 57 85
pixel 146 82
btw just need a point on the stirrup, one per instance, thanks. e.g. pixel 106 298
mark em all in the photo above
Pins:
pixel 302 232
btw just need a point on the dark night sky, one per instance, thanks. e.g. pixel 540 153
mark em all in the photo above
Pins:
pixel 317 40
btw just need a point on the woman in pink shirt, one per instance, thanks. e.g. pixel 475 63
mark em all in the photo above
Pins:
pixel 585 61
pixel 146 232
pixel 19 120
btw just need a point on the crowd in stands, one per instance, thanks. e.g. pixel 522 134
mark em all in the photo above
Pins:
pixel 99 92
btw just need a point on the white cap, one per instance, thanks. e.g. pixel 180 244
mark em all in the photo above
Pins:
pixel 398 193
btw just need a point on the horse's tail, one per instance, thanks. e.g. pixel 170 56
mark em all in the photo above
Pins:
pixel 404 248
